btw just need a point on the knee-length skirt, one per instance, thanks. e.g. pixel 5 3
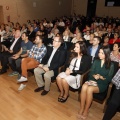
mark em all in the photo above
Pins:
pixel 73 81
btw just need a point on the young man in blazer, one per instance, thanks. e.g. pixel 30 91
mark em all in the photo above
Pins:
pixel 94 48
pixel 49 65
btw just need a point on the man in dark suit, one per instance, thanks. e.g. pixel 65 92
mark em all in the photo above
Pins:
pixel 14 48
pixel 54 58
pixel 109 33
pixel 31 34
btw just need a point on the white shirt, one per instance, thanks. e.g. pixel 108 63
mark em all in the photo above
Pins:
pixel 61 24
pixel 51 35
pixel 74 40
pixel 13 44
pixel 87 37
pixel 72 64
pixel 2 32
pixel 65 38
pixel 51 57
pixel 94 49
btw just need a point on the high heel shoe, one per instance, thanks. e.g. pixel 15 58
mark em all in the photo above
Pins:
pixel 64 99
pixel 59 98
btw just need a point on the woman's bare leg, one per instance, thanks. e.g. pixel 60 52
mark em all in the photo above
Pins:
pixel 65 87
pixel 83 95
pixel 59 83
pixel 89 98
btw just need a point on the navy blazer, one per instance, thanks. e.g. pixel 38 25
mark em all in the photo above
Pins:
pixel 89 50
pixel 58 59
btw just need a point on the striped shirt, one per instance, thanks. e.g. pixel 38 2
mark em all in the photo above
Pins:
pixel 39 52
pixel 116 79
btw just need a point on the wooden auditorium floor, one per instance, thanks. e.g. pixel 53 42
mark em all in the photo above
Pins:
pixel 27 105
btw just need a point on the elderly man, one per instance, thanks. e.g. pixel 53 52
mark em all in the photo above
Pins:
pixel 14 48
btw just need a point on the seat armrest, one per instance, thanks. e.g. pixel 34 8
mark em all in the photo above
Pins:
pixel 84 77
pixel 61 68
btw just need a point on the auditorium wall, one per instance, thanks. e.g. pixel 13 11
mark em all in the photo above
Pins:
pixel 80 7
pixel 102 10
pixel 22 10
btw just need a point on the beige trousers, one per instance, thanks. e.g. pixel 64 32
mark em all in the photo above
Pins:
pixel 47 78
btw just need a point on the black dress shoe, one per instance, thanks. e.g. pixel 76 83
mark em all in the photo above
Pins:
pixel 2 72
pixel 39 89
pixel 64 99
pixel 44 92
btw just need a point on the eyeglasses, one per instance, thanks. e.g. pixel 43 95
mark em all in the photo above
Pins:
pixel 55 41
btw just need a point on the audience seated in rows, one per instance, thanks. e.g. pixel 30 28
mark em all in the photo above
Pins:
pixel 72 29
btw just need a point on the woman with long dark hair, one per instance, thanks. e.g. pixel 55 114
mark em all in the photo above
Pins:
pixel 100 76
pixel 71 77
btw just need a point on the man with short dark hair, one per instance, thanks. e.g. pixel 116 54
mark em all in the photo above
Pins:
pixel 94 48
pixel 15 60
pixel 35 55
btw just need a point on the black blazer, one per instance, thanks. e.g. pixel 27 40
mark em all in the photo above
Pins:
pixel 57 60
pixel 17 46
pixel 85 65
pixel 31 36
pixel 110 36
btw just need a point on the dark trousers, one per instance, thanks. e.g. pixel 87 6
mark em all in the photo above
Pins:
pixel 0 56
pixel 15 64
pixel 4 60
pixel 113 105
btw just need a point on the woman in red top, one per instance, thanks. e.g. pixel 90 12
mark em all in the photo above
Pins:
pixel 114 40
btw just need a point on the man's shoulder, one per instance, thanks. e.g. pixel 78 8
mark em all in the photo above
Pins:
pixel 61 48
pixel 20 39
pixel 89 47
